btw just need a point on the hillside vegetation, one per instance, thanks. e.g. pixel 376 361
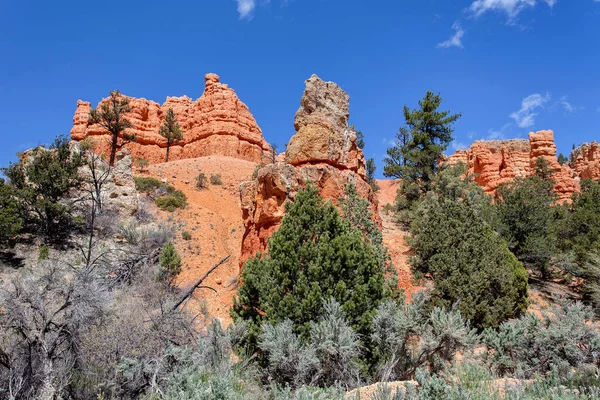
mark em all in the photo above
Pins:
pixel 131 290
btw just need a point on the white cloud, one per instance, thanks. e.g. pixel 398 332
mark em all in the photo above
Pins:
pixel 525 117
pixel 245 8
pixel 566 105
pixel 498 134
pixel 389 142
pixel 455 146
pixel 456 39
pixel 512 8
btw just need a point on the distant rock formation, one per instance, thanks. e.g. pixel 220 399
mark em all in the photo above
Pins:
pixel 585 161
pixel 495 162
pixel 323 151
pixel 218 123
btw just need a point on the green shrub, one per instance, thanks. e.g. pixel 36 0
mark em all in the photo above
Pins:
pixel 10 219
pixel 470 265
pixel 43 253
pixel 147 185
pixel 557 342
pixel 408 337
pixel 41 180
pixel 315 255
pixel 525 218
pixel 328 358
pixel 201 181
pixel 186 235
pixel 175 200
pixel 256 169
pixel 579 230
pixel 141 164
pixel 215 179
pixel 170 262
pixel 357 211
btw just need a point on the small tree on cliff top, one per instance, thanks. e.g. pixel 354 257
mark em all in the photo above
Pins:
pixel 111 116
pixel 170 130
pixel 420 143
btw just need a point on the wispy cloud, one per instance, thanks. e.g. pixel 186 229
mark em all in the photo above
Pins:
pixel 511 8
pixel 389 142
pixel 456 39
pixel 567 106
pixel 525 117
pixel 498 134
pixel 455 146
pixel 245 8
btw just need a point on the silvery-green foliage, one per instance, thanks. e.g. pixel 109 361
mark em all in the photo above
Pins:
pixel 307 393
pixel 385 392
pixel 290 362
pixel 193 383
pixel 431 387
pixel 406 338
pixel 337 347
pixel 556 342
pixel 214 348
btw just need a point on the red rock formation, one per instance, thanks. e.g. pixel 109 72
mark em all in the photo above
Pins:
pixel 323 151
pixel 218 123
pixel 496 162
pixel 585 161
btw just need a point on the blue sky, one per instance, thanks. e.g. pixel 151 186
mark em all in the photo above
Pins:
pixel 509 66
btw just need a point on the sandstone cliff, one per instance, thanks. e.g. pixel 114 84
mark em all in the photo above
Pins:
pixel 323 151
pixel 495 162
pixel 585 161
pixel 217 123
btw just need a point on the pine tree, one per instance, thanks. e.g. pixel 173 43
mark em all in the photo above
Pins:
pixel 470 264
pixel 42 181
pixel 170 262
pixel 371 168
pixel 315 255
pixel 111 116
pixel 360 137
pixel 170 130
pixel 420 143
pixel 525 218
pixel 10 220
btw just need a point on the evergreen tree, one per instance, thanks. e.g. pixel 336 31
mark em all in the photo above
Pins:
pixel 360 137
pixel 10 220
pixel 111 116
pixel 315 255
pixel 562 159
pixel 541 169
pixel 170 130
pixel 170 262
pixel 525 219
pixel 470 265
pixel 420 143
pixel 579 230
pixel 371 168
pixel 42 180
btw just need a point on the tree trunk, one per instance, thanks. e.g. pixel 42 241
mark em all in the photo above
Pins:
pixel 48 391
pixel 168 146
pixel 113 149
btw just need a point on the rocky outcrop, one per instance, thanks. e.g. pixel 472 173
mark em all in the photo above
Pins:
pixel 585 161
pixel 323 151
pixel 322 132
pixel 217 123
pixel 118 192
pixel 495 162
